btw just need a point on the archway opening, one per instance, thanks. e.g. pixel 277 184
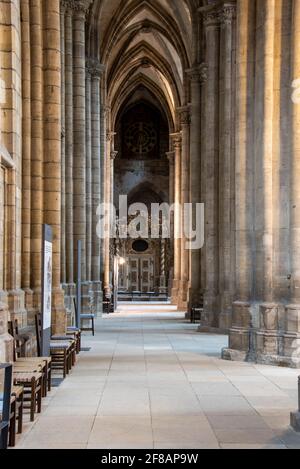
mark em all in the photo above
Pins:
pixel 141 173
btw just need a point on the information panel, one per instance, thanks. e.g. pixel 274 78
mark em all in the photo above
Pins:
pixel 46 291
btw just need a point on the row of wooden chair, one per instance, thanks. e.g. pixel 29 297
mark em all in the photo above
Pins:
pixel 63 349
pixel 32 375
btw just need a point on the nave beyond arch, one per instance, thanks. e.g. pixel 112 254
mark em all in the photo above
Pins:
pixel 84 84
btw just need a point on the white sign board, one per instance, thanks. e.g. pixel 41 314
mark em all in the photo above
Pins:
pixel 47 294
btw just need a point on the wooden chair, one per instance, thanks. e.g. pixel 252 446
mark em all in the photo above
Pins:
pixel 5 405
pixel 32 384
pixel 18 393
pixel 62 351
pixel 86 317
pixel 15 413
pixel 34 364
pixel 74 331
pixel 11 421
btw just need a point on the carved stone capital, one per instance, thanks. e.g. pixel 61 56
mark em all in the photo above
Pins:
pixel 211 18
pixel 184 115
pixel 198 74
pixel 177 141
pixel 95 68
pixel 227 14
pixel 66 5
pixel 82 6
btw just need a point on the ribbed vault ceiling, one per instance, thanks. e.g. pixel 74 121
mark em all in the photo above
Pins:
pixel 149 42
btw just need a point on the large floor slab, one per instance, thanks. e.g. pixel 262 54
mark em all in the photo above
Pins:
pixel 150 380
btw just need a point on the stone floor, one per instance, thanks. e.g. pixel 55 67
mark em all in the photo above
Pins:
pixel 151 381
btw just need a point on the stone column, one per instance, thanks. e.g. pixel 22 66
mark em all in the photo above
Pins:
pixel 264 153
pixel 185 119
pixel 102 169
pixel 108 166
pixel 226 276
pixel 163 280
pixel 211 157
pixel 244 209
pixel 87 296
pixel 63 145
pixel 198 75
pixel 267 340
pixel 37 148
pixel 111 170
pixel 52 154
pixel 6 342
pixel 292 313
pixel 171 158
pixel 96 71
pixel 79 119
pixel 69 151
pixel 88 146
pixel 177 142
pixel 26 166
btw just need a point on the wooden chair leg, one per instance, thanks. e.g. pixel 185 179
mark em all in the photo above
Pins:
pixel 12 425
pixel 20 415
pixel 45 381
pixel 65 364
pixel 49 379
pixel 39 399
pixel 33 400
pixel 4 435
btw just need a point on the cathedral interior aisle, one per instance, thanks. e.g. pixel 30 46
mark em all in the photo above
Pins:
pixel 150 381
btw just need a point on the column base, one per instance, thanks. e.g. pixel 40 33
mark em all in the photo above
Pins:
pixel 175 292
pixel 213 330
pixel 6 341
pixel 59 314
pixel 210 308
pixel 98 298
pixel 16 306
pixel 239 334
pixel 267 334
pixel 31 311
pixel 234 355
pixel 295 421
pixel 69 296
pixel 87 298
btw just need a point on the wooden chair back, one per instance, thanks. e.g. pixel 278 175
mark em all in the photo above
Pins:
pixel 13 330
pixel 38 330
